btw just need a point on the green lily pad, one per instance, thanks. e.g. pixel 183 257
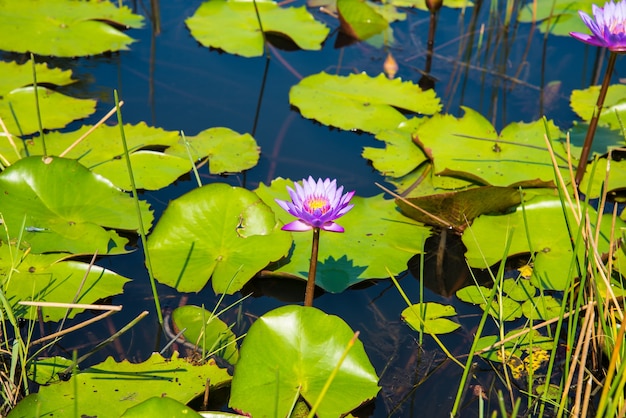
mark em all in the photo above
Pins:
pixel 233 26
pixel 542 308
pixel 558 17
pixel 503 308
pixel 293 350
pixel 61 206
pixel 228 151
pixel 65 28
pixel 47 278
pixel 583 102
pixel 103 152
pixel 400 155
pixel 17 96
pixel 519 154
pixel 368 104
pixel 158 406
pixel 359 20
pixel 376 237
pixel 604 140
pixel 46 370
pixel 109 388
pixel 216 231
pixel 429 317
pixel 547 234
pixel 616 171
pixel 206 332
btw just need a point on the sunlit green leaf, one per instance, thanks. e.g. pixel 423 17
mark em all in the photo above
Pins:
pixel 543 218
pixel 359 20
pixel 216 231
pixel 109 388
pixel 583 102
pixel 542 308
pixel 429 317
pixel 367 103
pixel 206 332
pixel 558 17
pixel 293 350
pixel 470 148
pixel 46 370
pixel 59 205
pixel 233 26
pixel 103 152
pixel 400 155
pixel 47 278
pixel 65 28
pixel 376 237
pixel 17 100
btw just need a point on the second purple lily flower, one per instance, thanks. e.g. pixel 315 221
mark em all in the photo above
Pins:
pixel 316 205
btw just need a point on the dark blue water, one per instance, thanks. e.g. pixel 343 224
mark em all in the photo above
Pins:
pixel 170 81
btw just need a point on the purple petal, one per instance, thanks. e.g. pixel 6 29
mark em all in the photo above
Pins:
pixel 297 226
pixel 332 227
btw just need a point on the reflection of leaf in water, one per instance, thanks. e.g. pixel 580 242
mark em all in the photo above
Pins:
pixel 335 276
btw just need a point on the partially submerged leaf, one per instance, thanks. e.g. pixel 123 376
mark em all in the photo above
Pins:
pixel 613 112
pixel 216 231
pixel 292 351
pixel 369 104
pixel 233 26
pixel 458 209
pixel 65 28
pixel 109 388
pixel 160 406
pixel 17 99
pixel 59 205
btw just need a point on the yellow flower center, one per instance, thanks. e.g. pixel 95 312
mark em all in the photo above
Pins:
pixel 315 203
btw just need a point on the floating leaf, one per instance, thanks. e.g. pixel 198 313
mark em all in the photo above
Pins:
pixel 17 97
pixel 103 152
pixel 547 233
pixel 65 28
pixel 233 26
pixel 458 209
pixel 109 388
pixel 558 17
pixel 368 103
pixel 604 140
pixel 216 231
pixel 292 351
pixel 400 155
pixel 64 207
pixel 542 308
pixel 47 278
pixel 228 151
pixel 359 20
pixel 206 331
pixel 376 237
pixel 470 148
pixel 583 102
pixel 429 317
pixel 46 370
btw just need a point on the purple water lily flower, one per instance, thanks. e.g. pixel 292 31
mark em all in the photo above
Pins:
pixel 316 205
pixel 609 28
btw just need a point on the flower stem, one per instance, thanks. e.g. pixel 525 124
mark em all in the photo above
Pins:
pixel 310 283
pixel 593 123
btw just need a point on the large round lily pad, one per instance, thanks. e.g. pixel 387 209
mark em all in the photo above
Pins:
pixel 217 231
pixel 293 350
